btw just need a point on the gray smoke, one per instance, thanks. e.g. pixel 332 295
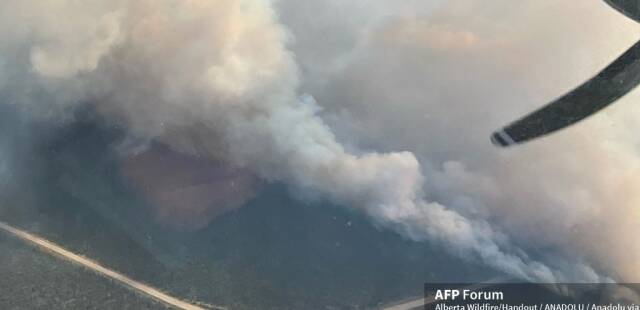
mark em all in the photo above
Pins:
pixel 436 81
pixel 218 78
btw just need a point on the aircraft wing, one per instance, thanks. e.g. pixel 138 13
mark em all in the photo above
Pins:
pixel 616 80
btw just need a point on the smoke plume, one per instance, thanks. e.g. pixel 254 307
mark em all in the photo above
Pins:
pixel 225 79
pixel 436 80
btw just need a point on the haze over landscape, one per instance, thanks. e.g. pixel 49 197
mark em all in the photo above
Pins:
pixel 382 108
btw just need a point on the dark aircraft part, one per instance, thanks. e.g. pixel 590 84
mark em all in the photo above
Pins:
pixel 630 8
pixel 613 82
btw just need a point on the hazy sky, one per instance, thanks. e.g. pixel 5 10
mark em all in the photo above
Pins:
pixel 402 97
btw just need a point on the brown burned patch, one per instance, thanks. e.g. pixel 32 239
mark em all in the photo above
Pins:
pixel 187 192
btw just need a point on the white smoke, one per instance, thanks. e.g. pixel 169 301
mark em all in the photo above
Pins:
pixel 436 82
pixel 216 78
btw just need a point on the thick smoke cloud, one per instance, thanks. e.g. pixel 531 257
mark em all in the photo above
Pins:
pixel 218 79
pixel 436 81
